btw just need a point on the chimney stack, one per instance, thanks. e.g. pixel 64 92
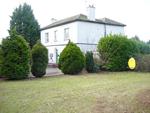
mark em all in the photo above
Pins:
pixel 53 20
pixel 91 12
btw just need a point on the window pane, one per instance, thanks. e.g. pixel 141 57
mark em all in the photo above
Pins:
pixel 46 37
pixel 55 36
pixel 66 33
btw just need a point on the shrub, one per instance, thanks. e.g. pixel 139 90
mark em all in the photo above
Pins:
pixel 16 57
pixel 115 51
pixel 89 62
pixel 143 63
pixel 39 60
pixel 0 60
pixel 71 60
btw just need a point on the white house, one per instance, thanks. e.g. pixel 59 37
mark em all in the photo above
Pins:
pixel 85 31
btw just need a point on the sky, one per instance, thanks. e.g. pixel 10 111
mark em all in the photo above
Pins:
pixel 134 13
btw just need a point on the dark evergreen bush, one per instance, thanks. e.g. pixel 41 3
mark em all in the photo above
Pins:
pixel 143 63
pixel 89 62
pixel 115 51
pixel 71 59
pixel 16 57
pixel 0 60
pixel 39 60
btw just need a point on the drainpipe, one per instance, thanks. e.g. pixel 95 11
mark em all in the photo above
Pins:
pixel 105 32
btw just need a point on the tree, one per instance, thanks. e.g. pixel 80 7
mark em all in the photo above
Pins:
pixel 136 38
pixel 144 48
pixel 16 57
pixel 25 23
pixel 148 42
pixel 1 60
pixel 89 62
pixel 71 60
pixel 39 60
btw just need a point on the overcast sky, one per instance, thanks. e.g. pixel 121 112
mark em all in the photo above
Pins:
pixel 134 13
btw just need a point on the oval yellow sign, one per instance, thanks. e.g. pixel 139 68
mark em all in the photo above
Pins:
pixel 132 63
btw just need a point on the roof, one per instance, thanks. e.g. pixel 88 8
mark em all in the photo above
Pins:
pixel 83 18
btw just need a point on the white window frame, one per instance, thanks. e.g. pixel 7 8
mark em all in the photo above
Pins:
pixel 55 35
pixel 46 37
pixel 66 33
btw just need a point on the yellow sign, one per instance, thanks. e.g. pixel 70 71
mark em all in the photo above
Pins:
pixel 132 63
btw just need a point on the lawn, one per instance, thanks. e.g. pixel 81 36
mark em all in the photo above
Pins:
pixel 116 92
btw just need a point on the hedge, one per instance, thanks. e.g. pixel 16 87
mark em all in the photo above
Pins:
pixel 115 51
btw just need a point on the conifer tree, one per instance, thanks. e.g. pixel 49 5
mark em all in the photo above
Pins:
pixel 24 22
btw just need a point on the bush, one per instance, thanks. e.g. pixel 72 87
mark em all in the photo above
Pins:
pixel 71 59
pixel 143 63
pixel 16 57
pixel 89 62
pixel 0 60
pixel 39 60
pixel 115 51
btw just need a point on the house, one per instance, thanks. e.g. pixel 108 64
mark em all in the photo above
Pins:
pixel 85 31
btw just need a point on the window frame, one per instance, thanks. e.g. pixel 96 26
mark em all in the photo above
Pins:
pixel 46 37
pixel 66 34
pixel 55 35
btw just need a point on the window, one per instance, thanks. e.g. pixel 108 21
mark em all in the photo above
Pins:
pixel 66 33
pixel 55 36
pixel 46 37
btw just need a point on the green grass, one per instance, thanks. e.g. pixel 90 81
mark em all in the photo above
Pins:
pixel 91 93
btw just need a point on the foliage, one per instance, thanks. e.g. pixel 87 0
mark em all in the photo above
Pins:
pixel 143 63
pixel 89 62
pixel 144 48
pixel 71 60
pixel 148 42
pixel 1 57
pixel 39 60
pixel 25 23
pixel 16 57
pixel 115 51
pixel 136 38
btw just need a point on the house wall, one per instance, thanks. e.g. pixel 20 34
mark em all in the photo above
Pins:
pixel 114 29
pixel 89 34
pixel 86 35
pixel 52 50
pixel 60 34
pixel 52 45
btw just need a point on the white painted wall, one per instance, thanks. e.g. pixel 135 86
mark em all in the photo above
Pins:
pixel 52 45
pixel 91 33
pixel 52 50
pixel 85 34
pixel 60 34
pixel 114 29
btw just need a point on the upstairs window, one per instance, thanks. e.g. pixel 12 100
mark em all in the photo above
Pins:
pixel 66 33
pixel 46 37
pixel 55 36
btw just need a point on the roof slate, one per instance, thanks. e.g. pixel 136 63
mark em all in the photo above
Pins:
pixel 83 18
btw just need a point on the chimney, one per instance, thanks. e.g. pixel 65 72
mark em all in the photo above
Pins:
pixel 91 12
pixel 53 20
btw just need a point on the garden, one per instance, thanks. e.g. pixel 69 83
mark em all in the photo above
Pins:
pixel 97 82
pixel 107 92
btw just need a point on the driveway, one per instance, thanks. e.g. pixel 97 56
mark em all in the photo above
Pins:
pixel 50 71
